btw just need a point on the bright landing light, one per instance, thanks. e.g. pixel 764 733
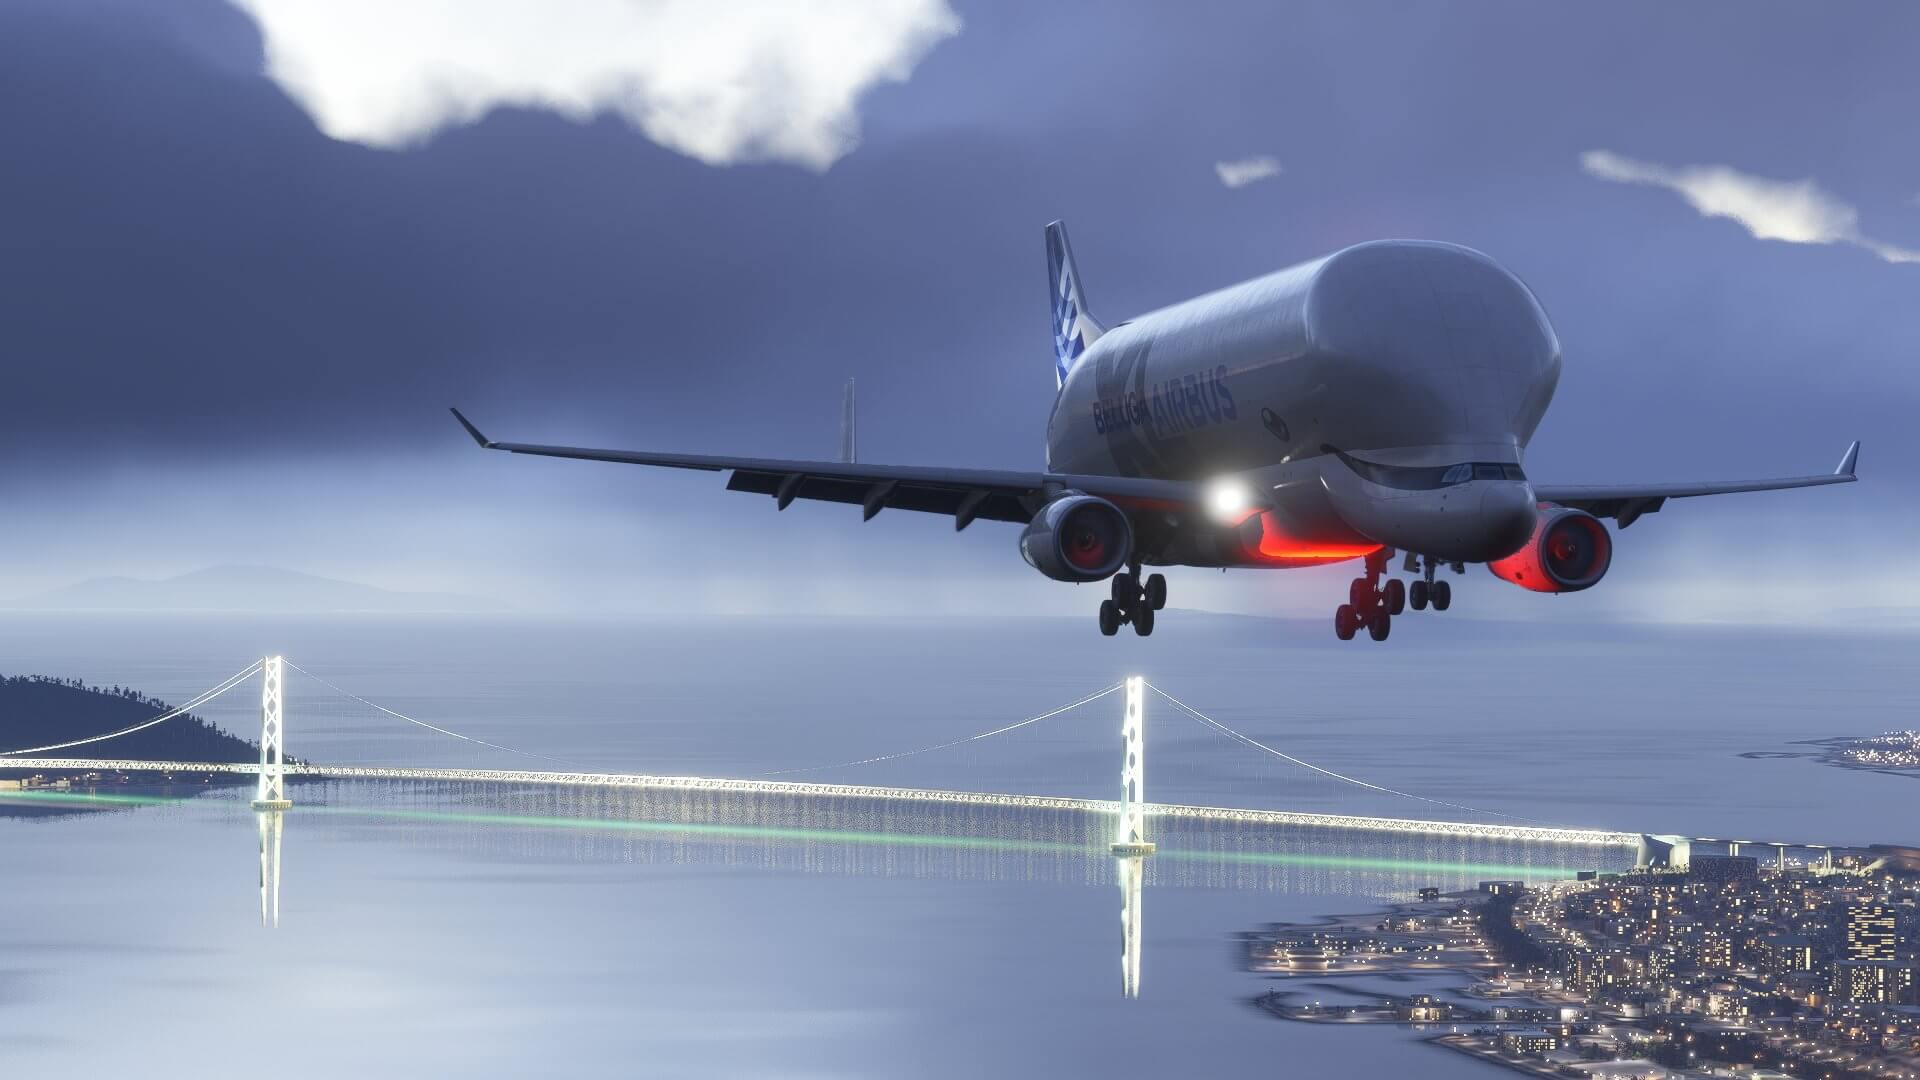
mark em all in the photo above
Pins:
pixel 1228 501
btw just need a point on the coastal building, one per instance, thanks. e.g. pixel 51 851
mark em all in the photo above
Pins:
pixel 1783 954
pixel 1870 933
pixel 1529 1042
pixel 1873 982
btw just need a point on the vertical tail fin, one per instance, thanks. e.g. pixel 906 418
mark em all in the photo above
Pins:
pixel 849 447
pixel 1074 328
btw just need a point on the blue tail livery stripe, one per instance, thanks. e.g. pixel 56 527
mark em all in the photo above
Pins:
pixel 1073 327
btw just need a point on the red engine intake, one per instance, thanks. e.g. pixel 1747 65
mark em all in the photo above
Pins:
pixel 1569 551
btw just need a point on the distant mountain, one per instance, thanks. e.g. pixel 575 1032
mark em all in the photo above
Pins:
pixel 244 588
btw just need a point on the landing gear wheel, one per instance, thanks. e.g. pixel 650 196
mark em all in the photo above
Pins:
pixel 1379 625
pixel 1345 622
pixel 1361 594
pixel 1396 596
pixel 1143 621
pixel 1157 591
pixel 1442 595
pixel 1126 589
pixel 1109 618
pixel 1417 595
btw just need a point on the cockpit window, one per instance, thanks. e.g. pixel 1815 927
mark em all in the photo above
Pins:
pixel 1427 477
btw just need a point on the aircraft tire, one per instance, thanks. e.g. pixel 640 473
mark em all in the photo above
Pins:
pixel 1442 596
pixel 1345 622
pixel 1126 590
pixel 1360 594
pixel 1143 621
pixel 1396 596
pixel 1109 618
pixel 1417 595
pixel 1157 591
pixel 1380 625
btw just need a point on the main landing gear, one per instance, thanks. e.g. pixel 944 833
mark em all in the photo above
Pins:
pixel 1372 602
pixel 1132 602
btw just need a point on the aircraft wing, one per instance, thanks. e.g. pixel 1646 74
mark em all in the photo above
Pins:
pixel 967 494
pixel 1626 502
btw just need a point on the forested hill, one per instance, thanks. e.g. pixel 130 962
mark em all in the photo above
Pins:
pixel 36 710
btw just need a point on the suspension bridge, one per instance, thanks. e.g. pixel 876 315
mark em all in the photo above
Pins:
pixel 1134 821
pixel 1130 811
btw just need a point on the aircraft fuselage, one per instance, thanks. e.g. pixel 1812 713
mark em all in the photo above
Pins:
pixel 1349 391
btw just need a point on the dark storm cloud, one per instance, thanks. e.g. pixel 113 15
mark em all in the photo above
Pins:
pixel 191 268
pixel 194 281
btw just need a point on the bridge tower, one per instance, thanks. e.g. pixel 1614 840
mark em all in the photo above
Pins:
pixel 1130 832
pixel 272 793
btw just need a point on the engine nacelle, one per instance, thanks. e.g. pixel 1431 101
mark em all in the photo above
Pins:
pixel 1078 538
pixel 1569 551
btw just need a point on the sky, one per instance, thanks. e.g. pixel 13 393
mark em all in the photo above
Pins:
pixel 250 251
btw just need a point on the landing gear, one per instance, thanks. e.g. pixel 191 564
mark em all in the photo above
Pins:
pixel 1426 590
pixel 1157 591
pixel 1370 603
pixel 1133 602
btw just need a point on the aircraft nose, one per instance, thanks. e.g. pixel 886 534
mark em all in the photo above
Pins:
pixel 1508 511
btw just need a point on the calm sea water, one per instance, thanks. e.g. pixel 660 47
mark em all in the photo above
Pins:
pixel 505 932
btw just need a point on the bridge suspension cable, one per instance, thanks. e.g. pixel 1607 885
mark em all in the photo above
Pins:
pixel 1048 715
pixel 230 683
pixel 422 723
pixel 1258 745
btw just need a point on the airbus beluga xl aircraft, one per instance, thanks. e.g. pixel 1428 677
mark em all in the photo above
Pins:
pixel 1375 401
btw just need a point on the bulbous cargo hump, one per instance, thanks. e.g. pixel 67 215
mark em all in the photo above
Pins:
pixel 1447 346
pixel 1414 348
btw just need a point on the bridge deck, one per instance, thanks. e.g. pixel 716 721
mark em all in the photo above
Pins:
pixel 1474 830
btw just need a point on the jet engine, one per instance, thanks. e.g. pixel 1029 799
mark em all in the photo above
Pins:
pixel 1078 538
pixel 1569 551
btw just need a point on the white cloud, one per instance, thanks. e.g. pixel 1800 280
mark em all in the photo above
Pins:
pixel 740 80
pixel 1796 211
pixel 1238 174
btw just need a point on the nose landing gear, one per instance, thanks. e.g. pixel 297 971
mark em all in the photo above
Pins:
pixel 1133 602
pixel 1426 590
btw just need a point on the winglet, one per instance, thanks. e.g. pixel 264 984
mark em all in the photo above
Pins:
pixel 1850 461
pixel 471 430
